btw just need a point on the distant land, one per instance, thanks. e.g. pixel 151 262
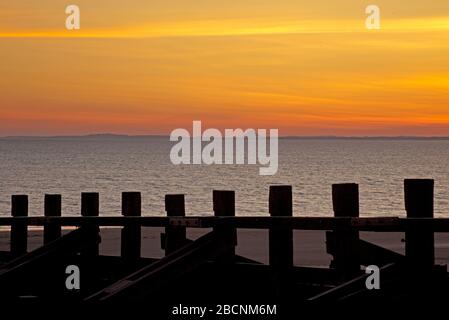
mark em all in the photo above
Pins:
pixel 111 136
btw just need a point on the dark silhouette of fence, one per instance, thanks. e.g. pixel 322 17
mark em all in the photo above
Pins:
pixel 209 267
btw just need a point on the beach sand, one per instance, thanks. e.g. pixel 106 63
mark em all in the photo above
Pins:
pixel 309 246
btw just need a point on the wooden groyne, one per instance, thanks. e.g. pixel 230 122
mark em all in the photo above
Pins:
pixel 208 268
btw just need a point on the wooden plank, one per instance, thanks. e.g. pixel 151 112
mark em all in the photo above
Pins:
pixel 345 200
pixel 419 244
pixel 224 206
pixel 63 246
pixel 131 234
pixel 376 224
pixel 369 253
pixel 355 285
pixel 175 236
pixel 19 229
pixel 238 258
pixel 90 207
pixel 281 238
pixel 148 280
pixel 52 208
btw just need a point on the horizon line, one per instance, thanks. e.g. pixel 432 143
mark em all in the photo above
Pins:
pixel 113 135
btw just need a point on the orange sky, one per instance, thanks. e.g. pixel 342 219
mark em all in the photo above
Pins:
pixel 307 68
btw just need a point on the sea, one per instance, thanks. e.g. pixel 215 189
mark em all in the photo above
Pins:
pixel 111 165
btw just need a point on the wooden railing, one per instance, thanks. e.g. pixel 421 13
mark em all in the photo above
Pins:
pixel 343 242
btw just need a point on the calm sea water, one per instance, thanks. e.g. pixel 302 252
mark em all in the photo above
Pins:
pixel 112 165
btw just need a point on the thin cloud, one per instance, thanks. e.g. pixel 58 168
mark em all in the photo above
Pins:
pixel 232 27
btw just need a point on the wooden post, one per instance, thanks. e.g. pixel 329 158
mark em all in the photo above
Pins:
pixel 419 245
pixel 175 237
pixel 19 230
pixel 345 200
pixel 224 206
pixel 281 239
pixel 131 234
pixel 90 207
pixel 52 208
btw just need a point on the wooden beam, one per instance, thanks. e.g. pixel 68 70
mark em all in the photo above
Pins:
pixel 131 234
pixel 90 207
pixel 52 208
pixel 175 236
pixel 13 272
pixel 145 282
pixel 355 285
pixel 281 238
pixel 369 253
pixel 375 224
pixel 224 206
pixel 19 229
pixel 419 244
pixel 345 200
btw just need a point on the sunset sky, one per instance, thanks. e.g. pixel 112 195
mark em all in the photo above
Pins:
pixel 148 67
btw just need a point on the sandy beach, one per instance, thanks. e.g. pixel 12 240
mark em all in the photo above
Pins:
pixel 309 246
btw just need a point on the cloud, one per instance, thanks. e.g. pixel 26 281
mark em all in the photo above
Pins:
pixel 238 27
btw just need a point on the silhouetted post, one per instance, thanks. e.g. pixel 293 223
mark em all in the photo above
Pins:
pixel 224 206
pixel 175 237
pixel 90 207
pixel 52 208
pixel 419 244
pixel 131 234
pixel 281 239
pixel 19 230
pixel 345 201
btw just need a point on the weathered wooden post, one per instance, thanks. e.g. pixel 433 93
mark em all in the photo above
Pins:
pixel 52 208
pixel 90 207
pixel 175 237
pixel 345 201
pixel 281 238
pixel 131 233
pixel 19 230
pixel 224 206
pixel 419 244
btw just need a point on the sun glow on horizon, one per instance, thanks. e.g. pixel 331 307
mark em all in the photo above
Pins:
pixel 305 68
pixel 239 27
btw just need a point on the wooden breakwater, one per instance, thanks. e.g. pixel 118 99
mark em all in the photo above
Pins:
pixel 208 268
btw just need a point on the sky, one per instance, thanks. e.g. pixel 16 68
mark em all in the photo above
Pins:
pixel 151 66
